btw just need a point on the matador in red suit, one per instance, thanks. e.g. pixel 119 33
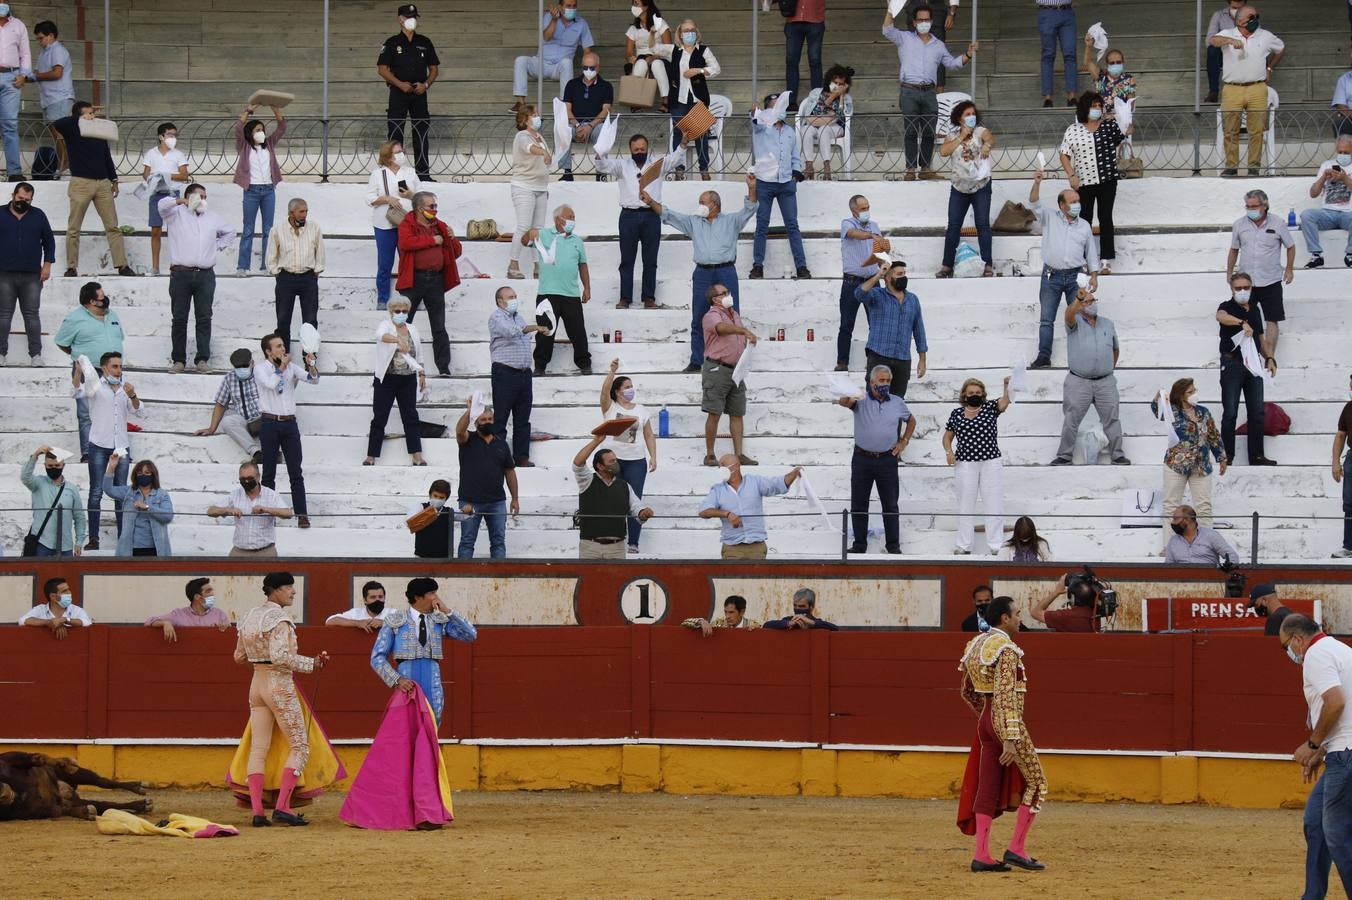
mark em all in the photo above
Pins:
pixel 1003 769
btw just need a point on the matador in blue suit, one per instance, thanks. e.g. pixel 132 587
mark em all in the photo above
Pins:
pixel 413 638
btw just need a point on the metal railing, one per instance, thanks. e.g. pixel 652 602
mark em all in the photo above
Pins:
pixel 1168 141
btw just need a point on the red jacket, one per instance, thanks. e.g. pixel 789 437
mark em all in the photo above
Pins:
pixel 414 237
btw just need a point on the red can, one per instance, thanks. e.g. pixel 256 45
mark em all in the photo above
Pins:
pixel 809 335
pixel 779 334
pixel 619 336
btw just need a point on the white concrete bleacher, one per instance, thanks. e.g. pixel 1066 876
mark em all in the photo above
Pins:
pixel 1163 305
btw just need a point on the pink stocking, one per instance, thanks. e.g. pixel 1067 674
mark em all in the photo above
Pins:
pixel 256 794
pixel 289 778
pixel 983 839
pixel 1021 826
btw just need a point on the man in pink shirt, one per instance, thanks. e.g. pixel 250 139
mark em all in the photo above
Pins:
pixel 199 613
pixel 15 61
pixel 725 341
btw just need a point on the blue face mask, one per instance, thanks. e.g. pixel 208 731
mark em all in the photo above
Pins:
pixel 883 391
pixel 1095 114
pixel 969 121
pixel 568 226
pixel 512 306
pixel 1344 160
pixel 208 602
pixel 1074 210
pixel 243 374
pixel 1253 214
pixel 570 14
pixel 113 382
pixel 64 601
pixel 4 10
pixel 688 38
pixel 399 318
pixel 863 217
pixel 535 122
pixel 1115 69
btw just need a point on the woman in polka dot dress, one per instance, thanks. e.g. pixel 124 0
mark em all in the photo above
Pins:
pixel 977 463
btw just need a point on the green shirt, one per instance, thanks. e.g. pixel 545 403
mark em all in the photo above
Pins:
pixel 88 335
pixel 560 277
pixel 70 510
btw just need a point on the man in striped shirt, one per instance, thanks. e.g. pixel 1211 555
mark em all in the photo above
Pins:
pixel 255 509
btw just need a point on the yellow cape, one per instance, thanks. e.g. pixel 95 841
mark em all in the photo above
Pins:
pixel 322 769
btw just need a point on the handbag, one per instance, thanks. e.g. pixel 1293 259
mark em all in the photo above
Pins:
pixel 481 230
pixel 1275 421
pixel 1142 509
pixel 638 91
pixel 30 540
pixel 1014 218
pixel 422 519
pixel 393 214
pixel 1131 167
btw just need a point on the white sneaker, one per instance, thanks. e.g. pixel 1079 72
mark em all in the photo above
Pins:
pixel 3 362
pixel 35 362
pixel 958 551
pixel 1341 553
pixel 241 273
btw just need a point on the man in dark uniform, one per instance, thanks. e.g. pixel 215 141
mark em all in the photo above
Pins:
pixel 1263 600
pixel 409 64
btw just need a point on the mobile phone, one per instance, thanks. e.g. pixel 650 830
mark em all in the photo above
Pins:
pixel 1337 168
pixel 403 185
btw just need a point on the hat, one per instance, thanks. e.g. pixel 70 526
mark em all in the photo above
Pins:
pixel 274 580
pixel 408 9
pixel 1261 590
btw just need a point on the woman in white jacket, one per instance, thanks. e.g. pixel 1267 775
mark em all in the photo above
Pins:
pixel 391 186
pixel 399 377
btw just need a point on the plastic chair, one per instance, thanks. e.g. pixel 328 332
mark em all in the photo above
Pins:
pixel 947 101
pixel 1269 139
pixel 843 142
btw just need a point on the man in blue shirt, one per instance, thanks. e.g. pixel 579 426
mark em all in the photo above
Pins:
pixel 894 322
pixel 27 251
pixel 857 234
pixel 56 91
pixel 738 502
pixel 509 349
pixel 778 169
pixel 883 426
pixel 921 54
pixel 564 32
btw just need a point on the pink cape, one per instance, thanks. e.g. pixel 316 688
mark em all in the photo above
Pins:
pixel 402 783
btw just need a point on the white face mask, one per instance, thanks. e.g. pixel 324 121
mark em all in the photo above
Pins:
pixel 702 211
pixel 636 11
pixel 589 74
pixel 837 88
pixel 411 23
pixel 726 301
pixel 171 142
pixel 535 122
pixel 923 27
pixel 208 602
pixel 260 137
pixel 400 159
pixel 1242 296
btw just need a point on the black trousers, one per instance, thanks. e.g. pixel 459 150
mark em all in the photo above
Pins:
pixel 513 395
pixel 865 472
pixel 429 289
pixel 413 106
pixel 195 291
pixel 639 227
pixel 569 313
pixel 283 436
pixel 290 288
pixel 402 389
pixel 901 370
pixel 1104 195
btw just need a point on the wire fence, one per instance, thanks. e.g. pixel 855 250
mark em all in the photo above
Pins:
pixel 1167 141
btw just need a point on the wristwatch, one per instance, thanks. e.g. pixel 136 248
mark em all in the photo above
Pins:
pixel 1312 745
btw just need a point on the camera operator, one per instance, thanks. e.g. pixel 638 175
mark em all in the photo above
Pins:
pixel 1083 592
pixel 1193 544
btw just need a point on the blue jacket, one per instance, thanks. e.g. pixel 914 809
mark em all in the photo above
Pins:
pixel 161 514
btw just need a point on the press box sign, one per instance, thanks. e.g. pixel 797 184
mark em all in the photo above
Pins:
pixel 1213 614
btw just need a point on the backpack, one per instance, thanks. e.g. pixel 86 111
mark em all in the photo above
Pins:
pixel 1275 421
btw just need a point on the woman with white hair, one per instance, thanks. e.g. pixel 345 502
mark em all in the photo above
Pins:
pixel 691 66
pixel 977 463
pixel 399 378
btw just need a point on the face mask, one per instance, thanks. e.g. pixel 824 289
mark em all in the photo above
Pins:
pixel 171 142
pixel 113 382
pixel 513 305
pixel 259 137
pixel 298 223
pixel 411 23
pixel 208 602
pixel 1252 25
pixel 399 318
pixel 21 206
pixel 535 122
pixel 969 121
pixel 400 159
pixel 1253 214
pixel 1089 309
pixel 54 473
pixel 1115 69
pixel 376 607
pixel 1260 609
pixel 864 217
pixel 436 502
pixel 923 27
pixel 900 283
pixel 688 38
pixel 569 226
pixel 838 88
pixel 883 391
pixel 99 304
pixel 589 74
pixel 702 211
pixel 65 600
pixel 639 158
pixel 726 301
pixel 1297 658
pixel 1095 114
pixel 570 14
pixel 248 483
pixel 974 400
pixel 1073 210
pixel 4 10
pixel 1344 159
pixel 613 469
pixel 636 11
pixel 628 394
pixel 145 479
pixel 430 215
pixel 1178 529
pixel 485 430
pixel 1242 296
pixel 243 374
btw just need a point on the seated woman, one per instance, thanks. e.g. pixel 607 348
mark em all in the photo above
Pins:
pixel 824 113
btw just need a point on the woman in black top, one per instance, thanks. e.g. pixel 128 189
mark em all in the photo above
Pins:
pixel 691 66
pixel 1089 158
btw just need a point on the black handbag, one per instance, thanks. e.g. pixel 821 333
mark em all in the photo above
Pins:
pixel 30 540
pixel 788 8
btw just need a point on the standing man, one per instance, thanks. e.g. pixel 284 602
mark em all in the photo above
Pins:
pixel 1068 248
pixel 921 54
pixel 1249 56
pixel 408 63
pixel 111 401
pixel 27 251
pixel 713 240
pixel 1326 678
pixel 565 283
pixel 564 31
pixel 56 92
pixel 1236 315
pixel 1334 181
pixel 1340 463
pixel 485 463
pixel 235 409
pixel 1264 601
pixel 196 235
pixel 413 638
pixel 738 501
pixel 277 377
pixel 895 321
pixel 1259 238
pixel 857 234
pixel 995 687
pixel 1221 20
pixel 93 179
pixel 15 60
pixel 778 169
pixel 1056 25
pixel 62 535
pixel 588 99
pixel 428 250
pixel 1091 356
pixel 255 509
pixel 509 348
pixel 808 23
pixel 295 257
pixel 89 331
pixel 725 340
pixel 605 502
pixel 879 441
pixel 639 224
pixel 943 16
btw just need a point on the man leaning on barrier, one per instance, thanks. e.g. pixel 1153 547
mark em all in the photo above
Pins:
pixel 734 617
pixel 804 615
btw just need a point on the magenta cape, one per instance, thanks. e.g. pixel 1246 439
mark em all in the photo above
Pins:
pixel 402 783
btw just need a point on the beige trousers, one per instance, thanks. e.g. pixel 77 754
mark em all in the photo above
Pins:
pixel 592 550
pixel 83 191
pixel 744 551
pixel 1253 99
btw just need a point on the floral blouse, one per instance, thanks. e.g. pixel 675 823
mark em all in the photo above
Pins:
pixel 1123 88
pixel 1189 456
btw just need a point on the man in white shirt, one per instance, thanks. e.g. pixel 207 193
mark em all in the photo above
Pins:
pixel 254 509
pixel 58 612
pixel 639 225
pixel 295 257
pixel 1334 181
pixel 1326 676
pixel 368 616
pixel 196 235
pixel 111 401
pixel 277 377
pixel 1250 54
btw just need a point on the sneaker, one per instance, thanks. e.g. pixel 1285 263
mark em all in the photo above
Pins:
pixel 177 368
pixel 1229 173
pixel 35 362
pixel 1341 553
pixel 1347 260
pixel 127 272
pixel 632 549
pixel 241 273
pixel 958 551
pixel 803 272
pixel 203 367
pixel 1316 262
pixel 1041 362
pixel 1059 461
pixel 1122 461
pixel 381 306
pixel 70 272
pixel 756 272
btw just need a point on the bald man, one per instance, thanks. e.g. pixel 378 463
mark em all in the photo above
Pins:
pixel 588 98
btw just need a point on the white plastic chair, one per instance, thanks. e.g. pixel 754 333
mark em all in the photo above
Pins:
pixel 947 101
pixel 721 107
pixel 843 142
pixel 1269 139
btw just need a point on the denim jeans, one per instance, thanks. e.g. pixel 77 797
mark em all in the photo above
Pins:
pixel 1312 221
pixel 1234 379
pixel 700 282
pixel 513 395
pixel 865 472
pixel 495 514
pixel 635 474
pixel 795 33
pixel 9 125
pixel 849 312
pixel 24 290
pixel 98 465
pixel 48 551
pixel 639 227
pixel 1054 286
pixel 257 198
pixel 387 242
pixel 1328 827
pixel 83 423
pixel 1347 502
pixel 1214 61
pixel 1058 26
pixel 786 193
pixel 284 437
pixel 958 204
pixel 919 110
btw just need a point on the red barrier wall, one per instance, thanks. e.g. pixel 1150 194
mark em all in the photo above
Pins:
pixel 1124 692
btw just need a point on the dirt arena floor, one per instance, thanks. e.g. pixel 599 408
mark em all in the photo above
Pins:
pixel 656 845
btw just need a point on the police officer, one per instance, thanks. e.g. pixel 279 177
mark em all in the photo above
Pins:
pixel 408 63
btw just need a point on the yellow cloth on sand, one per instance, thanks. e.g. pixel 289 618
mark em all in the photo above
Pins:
pixel 118 821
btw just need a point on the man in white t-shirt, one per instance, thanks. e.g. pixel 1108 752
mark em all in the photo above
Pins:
pixel 369 616
pixel 1334 181
pixel 1249 54
pixel 162 166
pixel 1326 674
pixel 58 613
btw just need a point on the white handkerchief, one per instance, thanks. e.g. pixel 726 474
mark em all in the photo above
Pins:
pixel 894 7
pixel 411 362
pixel 1041 161
pixel 743 367
pixel 814 502
pixel 1100 38
pixel 1166 415
pixel 467 267
pixel 1018 380
pixel 883 257
pixel 121 451
pixel 839 383
pixel 546 253
pixel 605 138
pixel 61 455
pixel 87 370
pixel 477 406
pixel 768 117
pixel 563 132
pixel 1253 360
pixel 545 310
pixel 982 169
pixel 1123 111
pixel 1082 280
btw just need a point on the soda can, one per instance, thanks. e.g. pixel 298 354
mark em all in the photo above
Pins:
pixel 779 334
pixel 619 336
pixel 809 335
pixel 605 337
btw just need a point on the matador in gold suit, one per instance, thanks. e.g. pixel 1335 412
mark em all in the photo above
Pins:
pixel 1003 770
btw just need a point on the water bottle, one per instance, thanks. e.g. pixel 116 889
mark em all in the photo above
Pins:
pixel 1291 219
pixel 663 423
